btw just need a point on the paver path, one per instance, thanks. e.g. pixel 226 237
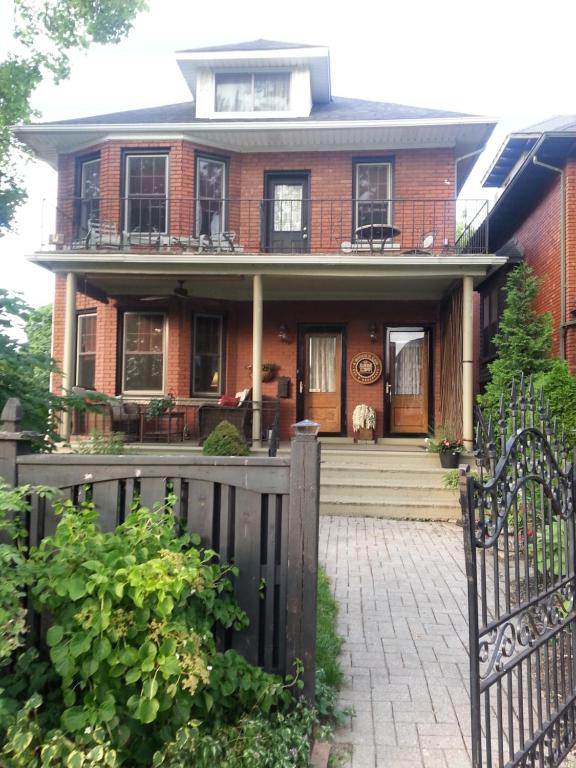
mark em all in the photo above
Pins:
pixel 401 588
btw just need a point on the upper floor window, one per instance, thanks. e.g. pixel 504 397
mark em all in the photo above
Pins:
pixel 372 192
pixel 143 352
pixel 253 92
pixel 210 195
pixel 88 186
pixel 146 193
pixel 86 351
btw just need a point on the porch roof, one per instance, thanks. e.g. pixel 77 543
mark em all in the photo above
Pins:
pixel 286 277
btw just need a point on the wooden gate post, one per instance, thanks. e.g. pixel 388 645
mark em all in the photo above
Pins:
pixel 302 560
pixel 13 442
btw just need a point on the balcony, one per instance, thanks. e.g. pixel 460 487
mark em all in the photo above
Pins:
pixel 285 226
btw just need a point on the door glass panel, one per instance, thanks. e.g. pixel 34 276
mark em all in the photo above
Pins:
pixel 406 348
pixel 287 207
pixel 322 363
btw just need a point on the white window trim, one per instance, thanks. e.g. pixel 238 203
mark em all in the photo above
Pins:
pixel 127 197
pixel 145 392
pixel 357 200
pixel 78 353
pixel 220 354
pixel 213 159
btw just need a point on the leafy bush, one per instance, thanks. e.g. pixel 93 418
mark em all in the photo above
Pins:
pixel 560 391
pixel 225 440
pixel 131 644
pixel 329 676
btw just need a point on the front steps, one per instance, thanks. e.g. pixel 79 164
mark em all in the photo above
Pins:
pixel 394 482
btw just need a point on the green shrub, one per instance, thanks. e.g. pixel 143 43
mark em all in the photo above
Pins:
pixel 225 440
pixel 99 443
pixel 560 391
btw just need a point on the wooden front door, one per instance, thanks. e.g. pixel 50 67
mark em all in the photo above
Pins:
pixel 286 213
pixel 408 377
pixel 320 385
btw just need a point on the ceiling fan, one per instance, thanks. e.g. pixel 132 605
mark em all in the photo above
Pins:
pixel 180 291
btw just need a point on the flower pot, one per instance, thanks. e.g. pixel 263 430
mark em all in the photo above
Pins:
pixel 364 435
pixel 268 375
pixel 449 460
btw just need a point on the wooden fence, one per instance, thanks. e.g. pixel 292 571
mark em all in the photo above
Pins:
pixel 260 513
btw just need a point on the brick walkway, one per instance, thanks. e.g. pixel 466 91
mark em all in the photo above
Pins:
pixel 401 589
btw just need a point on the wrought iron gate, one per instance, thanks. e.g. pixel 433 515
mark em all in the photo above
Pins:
pixel 518 516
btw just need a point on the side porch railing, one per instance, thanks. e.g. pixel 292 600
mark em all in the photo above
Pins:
pixel 260 513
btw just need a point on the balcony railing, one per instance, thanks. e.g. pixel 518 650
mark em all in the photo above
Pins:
pixel 192 225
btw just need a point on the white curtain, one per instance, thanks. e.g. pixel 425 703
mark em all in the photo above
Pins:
pixel 408 363
pixel 287 207
pixel 322 364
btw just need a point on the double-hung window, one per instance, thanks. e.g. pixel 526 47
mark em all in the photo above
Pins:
pixel 253 92
pixel 372 193
pixel 207 367
pixel 146 204
pixel 210 195
pixel 86 351
pixel 88 202
pixel 143 352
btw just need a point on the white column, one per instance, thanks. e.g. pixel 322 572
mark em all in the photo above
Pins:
pixel 68 357
pixel 257 313
pixel 467 363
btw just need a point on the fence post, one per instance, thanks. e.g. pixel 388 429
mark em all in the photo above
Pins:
pixel 302 559
pixel 13 442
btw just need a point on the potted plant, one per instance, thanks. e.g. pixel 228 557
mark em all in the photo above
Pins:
pixel 449 450
pixel 159 406
pixel 363 422
pixel 268 371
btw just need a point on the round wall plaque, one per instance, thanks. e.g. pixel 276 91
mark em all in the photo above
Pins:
pixel 366 368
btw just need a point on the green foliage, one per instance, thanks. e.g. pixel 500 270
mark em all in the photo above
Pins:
pixel 523 341
pixel 44 33
pixel 329 676
pixel 451 479
pixel 225 440
pixel 130 657
pixel 560 392
pixel 159 406
pixel 101 444
pixel 279 741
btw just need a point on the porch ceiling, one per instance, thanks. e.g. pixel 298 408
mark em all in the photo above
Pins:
pixel 303 277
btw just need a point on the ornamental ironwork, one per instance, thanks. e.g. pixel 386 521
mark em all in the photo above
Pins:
pixel 518 515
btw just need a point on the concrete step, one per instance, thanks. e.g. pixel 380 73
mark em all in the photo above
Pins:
pixel 405 460
pixel 352 506
pixel 386 488
pixel 410 476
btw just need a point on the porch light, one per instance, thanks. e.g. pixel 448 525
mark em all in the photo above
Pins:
pixel 306 427
pixel 373 332
pixel 283 333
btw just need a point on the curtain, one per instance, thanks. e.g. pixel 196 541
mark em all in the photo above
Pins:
pixel 408 364
pixel 322 363
pixel 287 207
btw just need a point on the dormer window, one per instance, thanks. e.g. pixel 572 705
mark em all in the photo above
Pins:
pixel 253 92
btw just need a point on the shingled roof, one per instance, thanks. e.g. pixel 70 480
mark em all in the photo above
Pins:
pixel 251 45
pixel 338 109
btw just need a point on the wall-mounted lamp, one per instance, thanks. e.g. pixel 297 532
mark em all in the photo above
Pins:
pixel 283 333
pixel 373 332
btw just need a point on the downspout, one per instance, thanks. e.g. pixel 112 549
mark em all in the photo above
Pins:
pixel 563 327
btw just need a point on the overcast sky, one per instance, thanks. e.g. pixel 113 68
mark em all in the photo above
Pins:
pixel 501 58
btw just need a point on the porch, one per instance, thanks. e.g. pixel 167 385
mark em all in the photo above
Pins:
pixel 277 310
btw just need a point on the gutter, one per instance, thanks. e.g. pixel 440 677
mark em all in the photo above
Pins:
pixel 562 329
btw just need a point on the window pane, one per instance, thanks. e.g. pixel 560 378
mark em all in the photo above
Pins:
pixel 146 192
pixel 89 203
pixel 86 373
pixel 233 93
pixel 210 186
pixel 322 363
pixel 372 192
pixel 143 352
pixel 207 374
pixel 271 92
pixel 87 333
pixel 406 348
pixel 86 351
pixel 288 207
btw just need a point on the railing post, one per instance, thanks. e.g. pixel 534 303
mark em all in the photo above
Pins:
pixel 302 559
pixel 13 442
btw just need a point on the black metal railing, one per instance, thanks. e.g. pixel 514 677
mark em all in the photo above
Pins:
pixel 417 227
pixel 520 546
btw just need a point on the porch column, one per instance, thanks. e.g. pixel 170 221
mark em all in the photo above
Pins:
pixel 467 363
pixel 69 347
pixel 257 361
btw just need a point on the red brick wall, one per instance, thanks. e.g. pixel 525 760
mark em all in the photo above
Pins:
pixel 571 261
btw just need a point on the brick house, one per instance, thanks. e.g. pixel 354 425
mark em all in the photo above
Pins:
pixel 535 219
pixel 269 221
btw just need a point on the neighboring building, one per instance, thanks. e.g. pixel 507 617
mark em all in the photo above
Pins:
pixel 268 221
pixel 535 219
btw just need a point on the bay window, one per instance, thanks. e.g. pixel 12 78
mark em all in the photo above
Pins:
pixel 207 367
pixel 143 352
pixel 146 193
